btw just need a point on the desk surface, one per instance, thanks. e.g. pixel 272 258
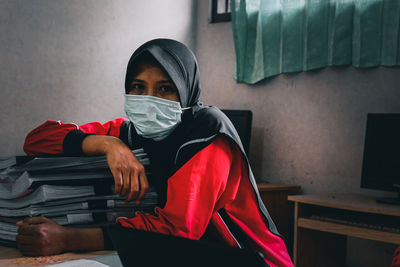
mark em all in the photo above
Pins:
pixel 11 257
pixel 353 202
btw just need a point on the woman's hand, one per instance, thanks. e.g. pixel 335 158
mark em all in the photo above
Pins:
pixel 129 174
pixel 40 236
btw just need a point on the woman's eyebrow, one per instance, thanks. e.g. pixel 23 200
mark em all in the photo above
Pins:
pixel 142 81
pixel 165 81
pixel 138 80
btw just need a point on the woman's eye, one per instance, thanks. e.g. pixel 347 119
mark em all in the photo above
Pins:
pixel 167 89
pixel 137 87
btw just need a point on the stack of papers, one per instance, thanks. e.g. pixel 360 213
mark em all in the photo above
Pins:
pixel 76 191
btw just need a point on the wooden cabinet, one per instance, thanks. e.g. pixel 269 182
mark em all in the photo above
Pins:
pixel 322 223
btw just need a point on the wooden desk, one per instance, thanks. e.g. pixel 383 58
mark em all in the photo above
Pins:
pixel 275 197
pixel 11 257
pixel 322 242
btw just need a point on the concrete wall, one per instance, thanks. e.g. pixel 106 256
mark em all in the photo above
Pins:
pixel 308 127
pixel 66 60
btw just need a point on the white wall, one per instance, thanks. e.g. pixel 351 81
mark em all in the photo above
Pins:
pixel 66 60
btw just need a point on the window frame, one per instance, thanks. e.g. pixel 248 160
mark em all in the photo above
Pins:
pixel 215 17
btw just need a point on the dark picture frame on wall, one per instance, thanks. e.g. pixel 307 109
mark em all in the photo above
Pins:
pixel 220 11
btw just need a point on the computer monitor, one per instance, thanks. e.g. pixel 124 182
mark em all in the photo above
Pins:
pixel 381 162
pixel 242 120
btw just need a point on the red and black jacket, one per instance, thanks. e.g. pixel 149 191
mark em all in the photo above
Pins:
pixel 210 192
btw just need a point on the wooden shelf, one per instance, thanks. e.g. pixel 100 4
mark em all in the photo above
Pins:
pixel 320 242
pixel 352 202
pixel 354 231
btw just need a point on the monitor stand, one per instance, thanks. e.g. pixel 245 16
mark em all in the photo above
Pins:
pixel 389 200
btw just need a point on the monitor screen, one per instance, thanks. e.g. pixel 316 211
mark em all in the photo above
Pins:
pixel 381 162
pixel 242 120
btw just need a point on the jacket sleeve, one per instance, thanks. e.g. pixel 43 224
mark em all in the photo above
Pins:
pixel 56 137
pixel 396 258
pixel 195 192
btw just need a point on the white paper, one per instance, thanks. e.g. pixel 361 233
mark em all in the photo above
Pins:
pixel 80 263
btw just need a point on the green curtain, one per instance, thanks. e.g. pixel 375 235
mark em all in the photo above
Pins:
pixel 277 36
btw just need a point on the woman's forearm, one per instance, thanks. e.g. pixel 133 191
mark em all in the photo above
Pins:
pixel 94 145
pixel 84 239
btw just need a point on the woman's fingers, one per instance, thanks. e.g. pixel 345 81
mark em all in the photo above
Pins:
pixel 25 239
pixel 134 185
pixel 27 250
pixel 118 181
pixel 126 182
pixel 144 186
pixel 36 220
pixel 28 230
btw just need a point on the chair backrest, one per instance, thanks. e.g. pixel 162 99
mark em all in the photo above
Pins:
pixel 242 120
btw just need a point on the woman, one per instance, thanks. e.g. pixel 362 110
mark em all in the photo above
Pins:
pixel 200 171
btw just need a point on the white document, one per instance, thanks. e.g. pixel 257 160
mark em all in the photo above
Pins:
pixel 80 263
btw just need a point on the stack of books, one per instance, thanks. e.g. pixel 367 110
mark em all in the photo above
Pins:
pixel 73 191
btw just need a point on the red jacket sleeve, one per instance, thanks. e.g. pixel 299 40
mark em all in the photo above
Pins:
pixel 194 193
pixel 48 138
pixel 396 258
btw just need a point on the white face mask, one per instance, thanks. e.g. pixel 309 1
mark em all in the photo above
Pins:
pixel 153 117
